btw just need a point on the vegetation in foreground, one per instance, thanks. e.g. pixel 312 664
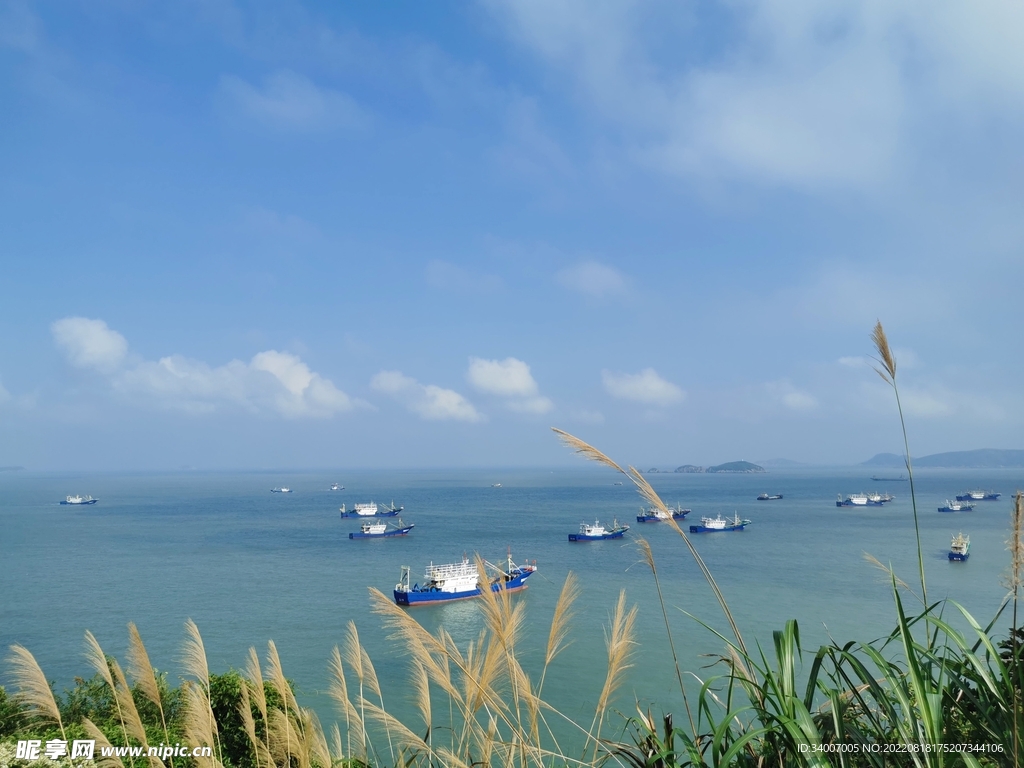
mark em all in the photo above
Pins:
pixel 926 695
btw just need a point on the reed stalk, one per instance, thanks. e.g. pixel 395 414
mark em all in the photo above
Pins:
pixel 97 659
pixel 145 677
pixel 34 691
pixel 887 371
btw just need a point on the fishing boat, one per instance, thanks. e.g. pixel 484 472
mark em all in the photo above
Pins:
pixel 495 485
pixel 653 515
pixel 959 547
pixel 597 532
pixel 979 496
pixel 880 498
pixel 957 506
pixel 381 529
pixel 281 489
pixel 769 497
pixel 713 524
pixel 460 581
pixel 900 479
pixel 371 510
pixel 79 500
pixel 857 500
pixel 337 487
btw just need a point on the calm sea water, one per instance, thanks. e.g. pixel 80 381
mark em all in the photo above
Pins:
pixel 249 565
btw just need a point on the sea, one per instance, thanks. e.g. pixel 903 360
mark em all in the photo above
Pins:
pixel 249 566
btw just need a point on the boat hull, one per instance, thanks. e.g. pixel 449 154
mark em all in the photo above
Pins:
pixel 78 503
pixel 705 529
pixel 381 513
pixel 958 557
pixel 865 504
pixel 415 598
pixel 384 535
pixel 986 497
pixel 585 537
pixel 966 508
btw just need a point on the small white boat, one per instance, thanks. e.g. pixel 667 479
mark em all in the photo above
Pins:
pixel 77 500
pixel 495 485
pixel 337 487
pixel 282 489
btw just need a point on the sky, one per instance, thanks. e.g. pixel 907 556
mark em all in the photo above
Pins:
pixel 385 235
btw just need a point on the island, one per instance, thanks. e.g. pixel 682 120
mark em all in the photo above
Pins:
pixel 983 458
pixel 729 466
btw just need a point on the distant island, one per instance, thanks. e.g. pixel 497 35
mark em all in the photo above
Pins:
pixel 729 466
pixel 984 458
pixel 781 463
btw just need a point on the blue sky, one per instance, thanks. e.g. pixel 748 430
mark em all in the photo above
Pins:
pixel 282 234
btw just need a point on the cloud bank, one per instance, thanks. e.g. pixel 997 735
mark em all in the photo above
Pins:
pixel 89 343
pixel 428 401
pixel 276 383
pixel 645 387
pixel 509 378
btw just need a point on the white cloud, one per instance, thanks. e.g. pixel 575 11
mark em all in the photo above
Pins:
pixel 644 387
pixel 272 382
pixel 592 279
pixel 89 343
pixel 510 378
pixel 791 397
pixel 801 93
pixel 288 101
pixel 853 361
pixel 428 401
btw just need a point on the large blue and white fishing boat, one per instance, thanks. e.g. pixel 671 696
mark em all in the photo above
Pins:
pixel 77 500
pixel 653 515
pixel 957 506
pixel 378 529
pixel 979 496
pixel 857 500
pixel 959 548
pixel 597 532
pixel 460 581
pixel 371 510
pixel 714 524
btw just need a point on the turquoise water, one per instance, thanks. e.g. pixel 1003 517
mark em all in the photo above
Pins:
pixel 248 565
